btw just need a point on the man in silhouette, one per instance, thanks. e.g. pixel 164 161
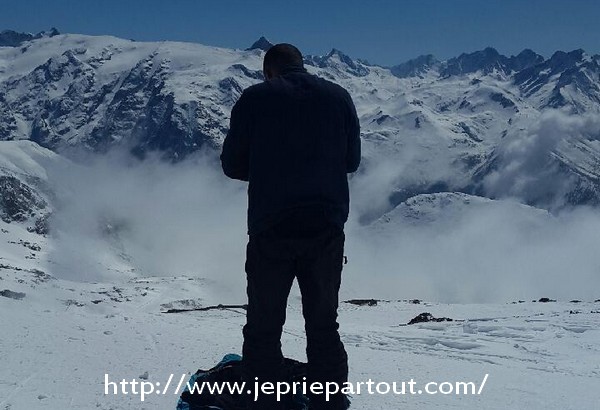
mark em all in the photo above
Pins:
pixel 294 138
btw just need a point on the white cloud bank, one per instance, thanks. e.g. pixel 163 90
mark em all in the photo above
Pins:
pixel 115 213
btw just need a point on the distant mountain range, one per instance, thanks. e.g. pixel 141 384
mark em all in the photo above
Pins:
pixel 444 126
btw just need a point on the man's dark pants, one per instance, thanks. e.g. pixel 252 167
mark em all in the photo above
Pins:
pixel 312 253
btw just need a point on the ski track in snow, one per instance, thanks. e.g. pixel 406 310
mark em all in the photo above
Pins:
pixel 57 345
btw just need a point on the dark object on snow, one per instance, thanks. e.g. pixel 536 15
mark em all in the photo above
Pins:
pixel 12 295
pixel 415 301
pixel 546 300
pixel 230 370
pixel 362 302
pixel 575 301
pixel 313 255
pixel 428 317
pixel 41 226
pixel 294 138
pixel 215 307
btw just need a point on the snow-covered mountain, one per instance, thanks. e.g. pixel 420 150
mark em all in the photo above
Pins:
pixel 452 123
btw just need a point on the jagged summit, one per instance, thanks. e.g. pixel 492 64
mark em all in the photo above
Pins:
pixel 416 66
pixel 262 43
pixel 11 38
pixel 339 60
pixel 486 61
pixel 52 32
pixel 343 57
pixel 335 51
pixel 562 60
pixel 575 72
pixel 526 58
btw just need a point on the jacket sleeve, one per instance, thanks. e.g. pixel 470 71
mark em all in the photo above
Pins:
pixel 235 156
pixel 353 133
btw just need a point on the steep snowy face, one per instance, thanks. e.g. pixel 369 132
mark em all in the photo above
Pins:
pixel 430 125
pixel 565 80
pixel 100 91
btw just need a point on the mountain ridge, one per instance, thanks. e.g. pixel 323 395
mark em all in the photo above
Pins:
pixel 101 92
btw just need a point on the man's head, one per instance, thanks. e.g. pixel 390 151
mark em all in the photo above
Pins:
pixel 279 57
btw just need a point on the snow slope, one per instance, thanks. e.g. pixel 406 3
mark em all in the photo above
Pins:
pixel 60 340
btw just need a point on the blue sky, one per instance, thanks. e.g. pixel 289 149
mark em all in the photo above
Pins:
pixel 383 32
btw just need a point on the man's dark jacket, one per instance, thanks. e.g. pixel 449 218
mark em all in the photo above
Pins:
pixel 294 138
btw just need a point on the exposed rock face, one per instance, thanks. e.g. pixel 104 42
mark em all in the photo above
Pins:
pixel 7 293
pixel 11 38
pixel 261 44
pixel 428 317
pixel 18 202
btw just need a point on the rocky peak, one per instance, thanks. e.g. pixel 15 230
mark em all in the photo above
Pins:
pixel 561 60
pixel 262 43
pixel 11 38
pixel 525 59
pixel 485 60
pixel 337 59
pixel 415 67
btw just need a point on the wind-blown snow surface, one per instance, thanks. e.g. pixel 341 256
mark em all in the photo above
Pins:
pixel 58 343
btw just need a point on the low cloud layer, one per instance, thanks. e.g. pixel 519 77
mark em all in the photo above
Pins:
pixel 526 166
pixel 497 252
pixel 117 217
pixel 115 213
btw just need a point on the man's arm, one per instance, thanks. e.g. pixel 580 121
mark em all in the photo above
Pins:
pixel 235 156
pixel 353 131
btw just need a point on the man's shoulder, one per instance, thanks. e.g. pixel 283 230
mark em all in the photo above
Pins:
pixel 267 88
pixel 328 83
pixel 256 90
pixel 332 87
